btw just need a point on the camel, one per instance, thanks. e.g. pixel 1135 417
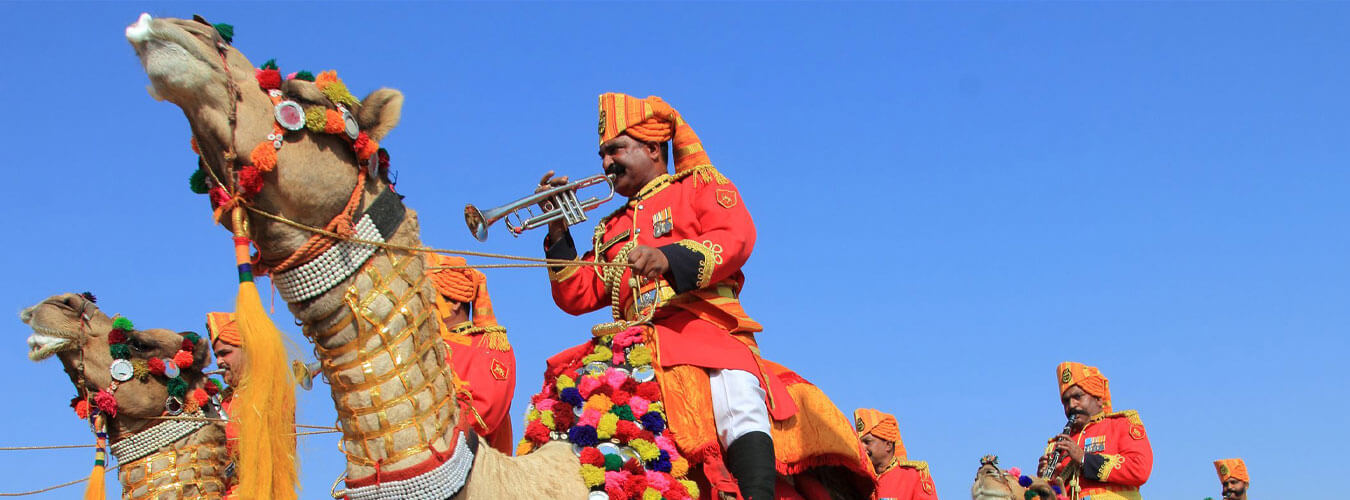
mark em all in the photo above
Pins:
pixel 159 459
pixel 993 483
pixel 373 323
pixel 386 363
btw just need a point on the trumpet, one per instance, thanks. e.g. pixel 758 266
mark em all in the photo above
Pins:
pixel 558 203
pixel 305 373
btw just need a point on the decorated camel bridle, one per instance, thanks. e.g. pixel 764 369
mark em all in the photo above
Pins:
pixel 184 412
pixel 329 257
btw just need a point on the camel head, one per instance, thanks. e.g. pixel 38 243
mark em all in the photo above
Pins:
pixel 312 175
pixel 993 483
pixel 72 328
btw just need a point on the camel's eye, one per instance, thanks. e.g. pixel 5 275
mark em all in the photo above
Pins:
pixel 139 345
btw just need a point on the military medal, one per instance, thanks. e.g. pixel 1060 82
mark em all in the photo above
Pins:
pixel 662 223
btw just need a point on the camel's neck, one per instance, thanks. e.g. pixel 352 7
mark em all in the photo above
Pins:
pixel 376 335
pixel 193 467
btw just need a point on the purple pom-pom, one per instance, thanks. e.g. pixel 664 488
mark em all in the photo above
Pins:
pixel 1057 489
pixel 661 463
pixel 583 435
pixel 1025 481
pixel 572 396
pixel 652 421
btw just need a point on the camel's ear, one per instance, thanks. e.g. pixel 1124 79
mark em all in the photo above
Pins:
pixel 380 112
pixel 201 354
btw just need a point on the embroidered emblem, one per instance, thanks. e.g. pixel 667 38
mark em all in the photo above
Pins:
pixel 602 122
pixel 716 250
pixel 928 485
pixel 662 224
pixel 859 424
pixel 726 198
pixel 1095 444
pixel 499 370
pixel 1137 432
pixel 1223 469
pixel 1066 377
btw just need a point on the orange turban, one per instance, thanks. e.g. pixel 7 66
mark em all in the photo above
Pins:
pixel 652 120
pixel 464 285
pixel 1088 378
pixel 222 326
pixel 879 424
pixel 1231 467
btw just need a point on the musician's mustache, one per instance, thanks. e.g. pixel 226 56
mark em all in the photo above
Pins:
pixel 615 169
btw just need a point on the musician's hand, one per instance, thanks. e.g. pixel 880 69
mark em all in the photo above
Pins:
pixel 648 261
pixel 1041 465
pixel 1067 446
pixel 557 227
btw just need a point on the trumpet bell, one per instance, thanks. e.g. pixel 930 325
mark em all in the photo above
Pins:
pixel 560 204
pixel 305 373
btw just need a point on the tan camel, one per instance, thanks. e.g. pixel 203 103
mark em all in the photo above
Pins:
pixel 993 483
pixel 160 459
pixel 390 381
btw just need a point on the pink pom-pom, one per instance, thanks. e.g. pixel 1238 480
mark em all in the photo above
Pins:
pixel 590 417
pixel 658 480
pixel 1015 471
pixel 638 405
pixel 614 481
pixel 587 386
pixel 618 357
pixel 106 403
pixel 664 443
pixel 614 378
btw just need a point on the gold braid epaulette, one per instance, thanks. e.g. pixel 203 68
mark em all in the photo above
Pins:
pixel 1131 415
pixel 706 173
pixel 913 464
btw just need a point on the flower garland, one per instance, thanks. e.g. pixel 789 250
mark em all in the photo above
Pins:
pixel 123 368
pixel 290 116
pixel 611 411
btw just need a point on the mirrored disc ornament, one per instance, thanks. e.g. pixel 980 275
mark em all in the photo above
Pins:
pixel 576 449
pixel 173 406
pixel 644 373
pixel 596 367
pixel 609 448
pixel 373 166
pixel 170 368
pixel 350 124
pixel 121 370
pixel 290 115
pixel 629 454
pixel 598 495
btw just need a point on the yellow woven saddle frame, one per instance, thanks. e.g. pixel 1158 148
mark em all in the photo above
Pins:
pixel 191 473
pixel 393 352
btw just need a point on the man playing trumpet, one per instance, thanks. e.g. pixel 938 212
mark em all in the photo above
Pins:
pixel 690 234
pixel 1105 455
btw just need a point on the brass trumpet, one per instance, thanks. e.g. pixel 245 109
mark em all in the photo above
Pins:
pixel 305 373
pixel 558 203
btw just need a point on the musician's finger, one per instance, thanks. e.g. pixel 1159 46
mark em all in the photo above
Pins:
pixel 544 180
pixel 559 181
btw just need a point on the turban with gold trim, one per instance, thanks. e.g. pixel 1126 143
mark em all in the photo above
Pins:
pixel 222 326
pixel 652 120
pixel 1231 467
pixel 879 424
pixel 464 285
pixel 1088 378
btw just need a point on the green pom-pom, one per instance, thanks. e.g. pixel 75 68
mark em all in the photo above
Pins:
pixel 270 64
pixel 123 324
pixel 193 337
pixel 226 31
pixel 624 412
pixel 613 462
pixel 177 387
pixel 304 75
pixel 119 351
pixel 198 182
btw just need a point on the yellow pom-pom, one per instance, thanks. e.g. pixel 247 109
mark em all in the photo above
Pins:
pixel 315 119
pixel 565 382
pixel 592 475
pixel 524 447
pixel 640 355
pixel 691 486
pixel 546 418
pixel 646 449
pixel 608 424
pixel 657 407
pixel 601 353
pixel 652 494
pixel 531 415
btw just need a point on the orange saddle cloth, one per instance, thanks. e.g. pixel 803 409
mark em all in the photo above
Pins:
pixel 816 445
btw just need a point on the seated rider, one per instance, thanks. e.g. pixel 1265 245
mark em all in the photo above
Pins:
pixel 691 233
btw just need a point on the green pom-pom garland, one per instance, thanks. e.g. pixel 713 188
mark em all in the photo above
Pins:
pixel 624 411
pixel 198 182
pixel 270 64
pixel 177 387
pixel 123 324
pixel 613 462
pixel 193 336
pixel 304 75
pixel 119 351
pixel 226 31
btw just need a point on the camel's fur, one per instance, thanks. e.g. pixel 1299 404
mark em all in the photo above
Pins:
pixel 84 356
pixel 992 483
pixel 313 180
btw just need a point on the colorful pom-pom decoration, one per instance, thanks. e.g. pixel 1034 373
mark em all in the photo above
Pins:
pixel 82 409
pixel 197 182
pixel 226 31
pixel 155 365
pixel 122 323
pixel 1025 481
pixel 183 359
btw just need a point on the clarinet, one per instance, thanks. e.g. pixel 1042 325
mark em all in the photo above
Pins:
pixel 1055 455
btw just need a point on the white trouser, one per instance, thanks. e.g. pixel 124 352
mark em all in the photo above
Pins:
pixel 738 404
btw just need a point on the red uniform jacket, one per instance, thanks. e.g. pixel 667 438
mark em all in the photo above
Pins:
pixel 1117 459
pixel 706 234
pixel 906 480
pixel 489 375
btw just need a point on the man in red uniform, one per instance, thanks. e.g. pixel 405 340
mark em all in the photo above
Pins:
pixel 896 477
pixel 691 233
pixel 227 345
pixel 479 352
pixel 1233 477
pixel 1105 455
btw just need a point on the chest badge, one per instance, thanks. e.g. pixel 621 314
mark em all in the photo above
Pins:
pixel 662 224
pixel 1095 444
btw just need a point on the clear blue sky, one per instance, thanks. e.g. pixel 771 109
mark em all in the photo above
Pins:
pixel 951 198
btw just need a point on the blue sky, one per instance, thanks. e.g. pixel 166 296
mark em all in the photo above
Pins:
pixel 951 198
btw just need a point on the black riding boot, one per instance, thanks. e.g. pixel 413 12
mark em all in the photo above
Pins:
pixel 750 459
